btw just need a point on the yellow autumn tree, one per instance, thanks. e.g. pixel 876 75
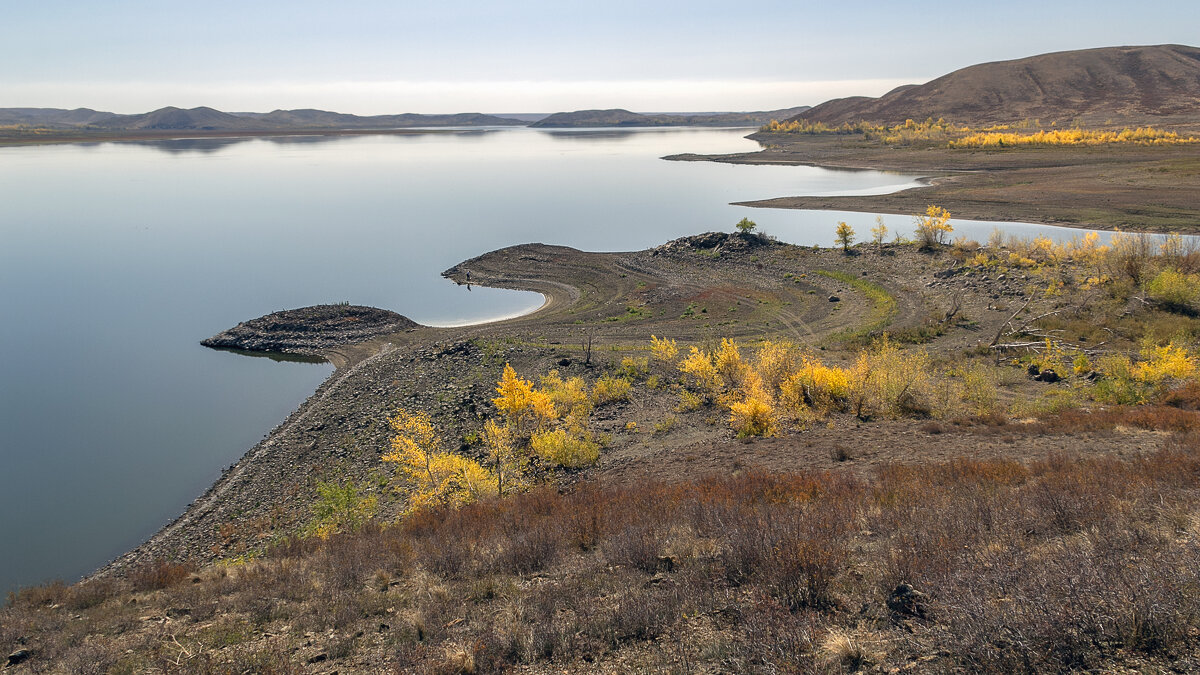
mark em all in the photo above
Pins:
pixel 506 460
pixel 933 229
pixel 432 476
pixel 845 235
pixel 525 408
pixel 879 233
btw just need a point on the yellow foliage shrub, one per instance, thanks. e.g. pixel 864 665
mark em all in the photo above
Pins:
pixel 1175 291
pixel 827 388
pixel 689 401
pixel 569 397
pixel 609 389
pixel 1168 362
pixel 699 366
pixel 776 362
pixel 754 413
pixel 563 448
pixel 664 349
pixel 1061 137
pixel 752 417
pixel 889 381
pixel 730 365
pixel 634 368
pixel 964 390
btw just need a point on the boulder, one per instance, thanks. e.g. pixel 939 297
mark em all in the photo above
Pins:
pixel 1048 375
pixel 18 657
pixel 906 601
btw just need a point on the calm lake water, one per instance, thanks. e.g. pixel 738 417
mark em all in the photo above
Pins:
pixel 116 259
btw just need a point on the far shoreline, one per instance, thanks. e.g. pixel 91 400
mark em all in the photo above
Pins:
pixel 118 136
pixel 1132 188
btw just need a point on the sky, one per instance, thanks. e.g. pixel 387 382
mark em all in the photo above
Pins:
pixel 392 56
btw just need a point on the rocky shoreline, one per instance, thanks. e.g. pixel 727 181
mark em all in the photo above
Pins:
pixel 309 330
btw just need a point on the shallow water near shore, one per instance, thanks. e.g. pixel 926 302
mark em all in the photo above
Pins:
pixel 118 258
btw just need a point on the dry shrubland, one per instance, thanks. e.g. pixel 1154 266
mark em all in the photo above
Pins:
pixel 940 133
pixel 987 566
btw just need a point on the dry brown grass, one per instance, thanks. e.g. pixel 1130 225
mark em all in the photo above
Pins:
pixel 1065 563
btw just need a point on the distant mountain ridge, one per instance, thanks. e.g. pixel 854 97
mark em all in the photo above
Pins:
pixel 211 120
pixel 1125 85
pixel 208 119
pixel 619 117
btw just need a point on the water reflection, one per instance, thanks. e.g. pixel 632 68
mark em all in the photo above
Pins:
pixel 180 146
pixel 277 357
pixel 213 145
pixel 621 133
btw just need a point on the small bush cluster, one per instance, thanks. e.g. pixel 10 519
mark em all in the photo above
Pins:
pixel 1072 137
pixel 783 384
pixel 550 422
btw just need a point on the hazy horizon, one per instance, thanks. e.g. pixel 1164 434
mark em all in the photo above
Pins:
pixel 449 98
pixel 375 57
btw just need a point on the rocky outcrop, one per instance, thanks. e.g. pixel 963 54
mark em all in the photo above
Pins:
pixel 716 242
pixel 310 329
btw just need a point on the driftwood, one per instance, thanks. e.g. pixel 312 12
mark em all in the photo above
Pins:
pixel 1053 337
pixel 1000 333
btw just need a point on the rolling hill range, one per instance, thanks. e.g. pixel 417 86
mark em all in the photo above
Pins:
pixel 205 119
pixel 209 119
pixel 1111 85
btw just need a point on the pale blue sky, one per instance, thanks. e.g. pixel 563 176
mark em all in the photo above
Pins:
pixel 375 56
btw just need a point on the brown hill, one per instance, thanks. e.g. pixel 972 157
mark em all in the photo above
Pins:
pixel 1117 85
pixel 172 118
pixel 619 117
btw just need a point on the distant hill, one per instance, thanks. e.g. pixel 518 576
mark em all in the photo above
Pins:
pixel 1127 85
pixel 594 118
pixel 170 118
pixel 619 117
pixel 52 117
pixel 325 119
pixel 209 119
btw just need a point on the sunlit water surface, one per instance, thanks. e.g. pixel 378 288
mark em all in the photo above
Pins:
pixel 116 259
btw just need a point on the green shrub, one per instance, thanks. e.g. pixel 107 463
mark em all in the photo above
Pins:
pixel 1175 291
